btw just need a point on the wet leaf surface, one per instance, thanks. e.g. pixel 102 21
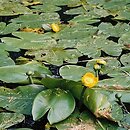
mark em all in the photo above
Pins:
pixel 90 30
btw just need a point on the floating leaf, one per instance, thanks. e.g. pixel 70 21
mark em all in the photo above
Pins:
pixel 100 105
pixel 93 47
pixel 17 73
pixel 5 60
pixel 7 29
pixel 124 40
pixel 84 120
pixel 73 72
pixel 117 30
pixel 74 87
pixel 125 59
pixel 8 8
pixel 124 14
pixel 120 78
pixel 84 19
pixel 35 20
pixel 28 40
pixel 101 102
pixel 126 121
pixel 59 103
pixel 20 99
pixel 90 10
pixel 55 55
pixel 46 7
pixel 10 119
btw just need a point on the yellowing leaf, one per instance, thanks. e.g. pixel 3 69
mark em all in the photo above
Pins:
pixel 36 30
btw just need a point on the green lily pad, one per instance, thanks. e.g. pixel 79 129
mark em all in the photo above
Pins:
pixel 73 72
pixel 17 73
pixel 93 46
pixel 125 59
pixel 7 29
pixel 20 99
pixel 35 20
pixel 5 60
pixel 126 121
pixel 55 55
pixel 100 101
pixel 46 7
pixel 28 40
pixel 59 103
pixel 10 119
pixel 114 6
pixel 74 87
pixel 84 120
pixel 116 30
pixel 84 19
pixel 8 8
pixel 120 78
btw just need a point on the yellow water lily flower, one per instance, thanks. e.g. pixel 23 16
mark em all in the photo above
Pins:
pixel 89 80
pixel 55 27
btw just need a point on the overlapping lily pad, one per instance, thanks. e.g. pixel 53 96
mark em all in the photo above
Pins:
pixel 59 103
pixel 35 20
pixel 20 99
pixel 89 30
pixel 8 8
pixel 8 29
pixel 102 102
pixel 18 73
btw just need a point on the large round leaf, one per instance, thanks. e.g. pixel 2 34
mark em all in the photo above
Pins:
pixel 59 103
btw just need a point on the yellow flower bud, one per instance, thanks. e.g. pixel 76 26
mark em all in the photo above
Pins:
pixel 55 27
pixel 89 80
pixel 101 61
pixel 97 67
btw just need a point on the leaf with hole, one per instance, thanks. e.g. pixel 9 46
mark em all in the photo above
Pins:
pixel 58 103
